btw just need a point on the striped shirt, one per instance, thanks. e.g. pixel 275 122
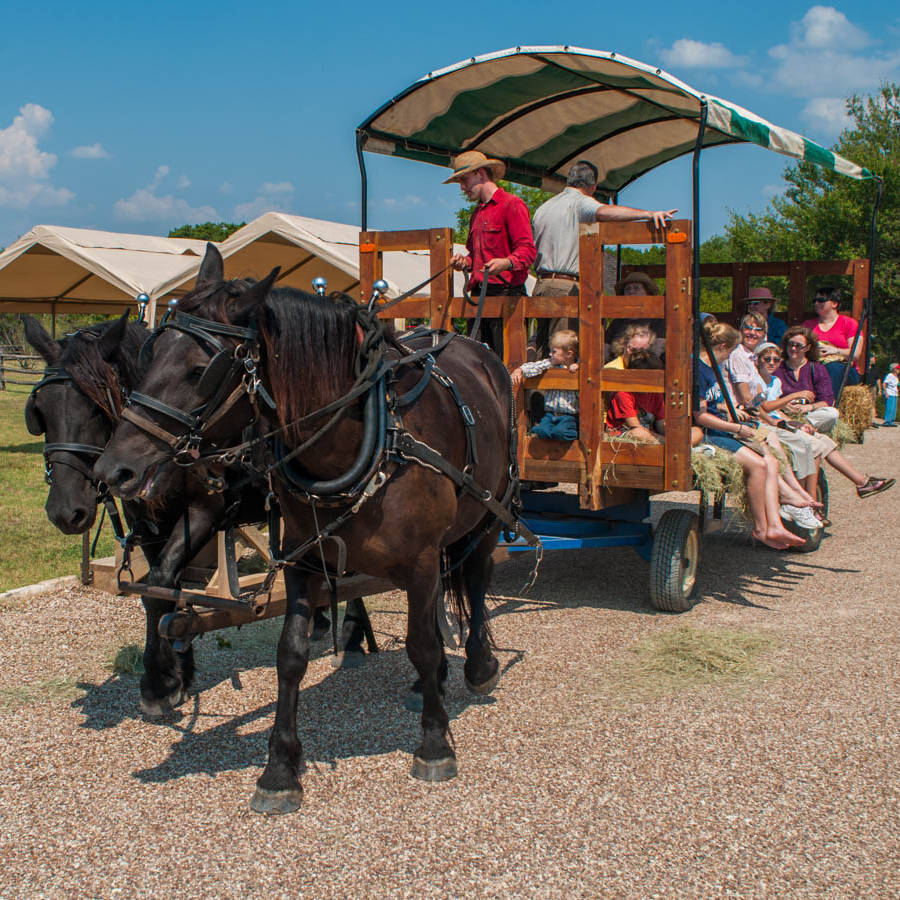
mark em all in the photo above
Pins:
pixel 559 403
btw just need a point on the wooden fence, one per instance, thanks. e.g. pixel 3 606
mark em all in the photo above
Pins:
pixel 19 368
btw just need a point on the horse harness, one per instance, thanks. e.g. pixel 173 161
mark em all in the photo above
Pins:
pixel 232 372
pixel 75 451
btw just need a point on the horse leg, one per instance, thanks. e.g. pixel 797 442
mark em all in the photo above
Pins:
pixel 434 759
pixel 278 789
pixel 168 675
pixel 356 627
pixel 481 670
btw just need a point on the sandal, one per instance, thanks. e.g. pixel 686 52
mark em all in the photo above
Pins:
pixel 875 486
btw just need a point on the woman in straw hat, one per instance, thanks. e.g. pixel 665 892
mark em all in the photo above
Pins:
pixel 500 244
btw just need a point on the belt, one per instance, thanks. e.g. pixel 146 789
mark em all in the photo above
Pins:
pixel 561 275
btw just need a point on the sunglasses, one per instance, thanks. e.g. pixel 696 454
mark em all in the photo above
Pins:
pixel 755 328
pixel 795 346
pixel 769 359
pixel 821 300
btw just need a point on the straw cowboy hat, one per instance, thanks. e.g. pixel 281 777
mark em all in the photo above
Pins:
pixel 641 278
pixel 759 294
pixel 472 160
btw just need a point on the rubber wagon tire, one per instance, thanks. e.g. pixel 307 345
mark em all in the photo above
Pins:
pixel 675 561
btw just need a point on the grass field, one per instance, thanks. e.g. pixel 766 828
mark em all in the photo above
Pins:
pixel 31 549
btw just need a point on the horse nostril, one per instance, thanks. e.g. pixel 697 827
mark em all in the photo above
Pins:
pixel 79 517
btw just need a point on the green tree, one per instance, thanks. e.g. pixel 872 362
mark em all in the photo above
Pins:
pixel 825 215
pixel 208 231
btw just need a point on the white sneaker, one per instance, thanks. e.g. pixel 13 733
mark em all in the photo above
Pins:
pixel 802 515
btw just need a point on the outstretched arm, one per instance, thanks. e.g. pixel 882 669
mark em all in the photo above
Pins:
pixel 607 213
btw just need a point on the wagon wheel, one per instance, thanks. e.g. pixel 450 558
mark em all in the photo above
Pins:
pixel 674 561
pixel 812 538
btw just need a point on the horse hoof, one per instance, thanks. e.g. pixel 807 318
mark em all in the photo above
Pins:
pixel 348 660
pixel 482 690
pixel 276 803
pixel 434 769
pixel 155 709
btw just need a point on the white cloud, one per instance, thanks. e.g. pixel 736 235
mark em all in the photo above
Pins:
pixel 19 153
pixel 225 188
pixel 827 114
pixel 91 151
pixel 688 54
pixel 24 167
pixel 278 187
pixel 183 182
pixel 822 58
pixel 408 201
pixel 143 205
pixel 257 207
pixel 34 195
pixel 824 27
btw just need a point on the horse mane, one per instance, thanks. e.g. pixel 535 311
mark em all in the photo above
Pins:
pixel 308 343
pixel 102 382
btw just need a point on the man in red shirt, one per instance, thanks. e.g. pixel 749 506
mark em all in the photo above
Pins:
pixel 500 243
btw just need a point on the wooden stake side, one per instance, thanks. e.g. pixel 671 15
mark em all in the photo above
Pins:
pixel 679 347
pixel 371 264
pixel 440 246
pixel 860 292
pixel 797 293
pixel 590 356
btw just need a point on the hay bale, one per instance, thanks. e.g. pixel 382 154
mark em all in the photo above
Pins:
pixel 856 408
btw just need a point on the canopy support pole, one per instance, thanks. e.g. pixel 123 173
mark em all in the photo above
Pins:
pixel 695 276
pixel 873 238
pixel 614 201
pixel 364 182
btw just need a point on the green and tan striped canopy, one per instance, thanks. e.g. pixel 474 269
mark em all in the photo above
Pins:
pixel 540 109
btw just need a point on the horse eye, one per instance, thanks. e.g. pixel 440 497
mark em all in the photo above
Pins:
pixel 196 374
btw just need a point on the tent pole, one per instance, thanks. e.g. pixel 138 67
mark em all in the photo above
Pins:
pixel 695 277
pixel 873 237
pixel 615 202
pixel 53 320
pixel 364 181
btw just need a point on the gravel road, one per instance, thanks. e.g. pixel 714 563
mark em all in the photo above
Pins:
pixel 580 777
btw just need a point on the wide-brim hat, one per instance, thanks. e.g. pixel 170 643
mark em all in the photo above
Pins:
pixel 472 160
pixel 759 294
pixel 638 278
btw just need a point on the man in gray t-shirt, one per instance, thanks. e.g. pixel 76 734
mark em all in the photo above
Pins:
pixel 556 234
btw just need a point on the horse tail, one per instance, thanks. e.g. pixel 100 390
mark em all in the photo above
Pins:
pixel 468 566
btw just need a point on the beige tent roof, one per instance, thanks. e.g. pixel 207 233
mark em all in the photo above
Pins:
pixel 53 268
pixel 308 248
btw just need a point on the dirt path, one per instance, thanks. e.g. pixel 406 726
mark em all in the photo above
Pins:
pixel 581 777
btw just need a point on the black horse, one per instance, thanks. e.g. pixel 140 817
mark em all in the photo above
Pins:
pixel 404 529
pixel 77 406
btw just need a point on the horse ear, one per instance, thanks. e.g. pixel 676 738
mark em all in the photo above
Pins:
pixel 242 307
pixel 111 339
pixel 212 269
pixel 37 336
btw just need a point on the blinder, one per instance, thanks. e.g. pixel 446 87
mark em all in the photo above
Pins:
pixel 215 372
pixel 34 421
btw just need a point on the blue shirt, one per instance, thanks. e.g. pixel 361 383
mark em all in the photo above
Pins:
pixel 777 327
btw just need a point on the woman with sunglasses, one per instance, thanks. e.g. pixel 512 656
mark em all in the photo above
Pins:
pixel 807 446
pixel 835 333
pixel 805 381
pixel 741 365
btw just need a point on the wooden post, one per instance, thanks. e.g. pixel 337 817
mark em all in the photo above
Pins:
pixel 371 264
pixel 679 347
pixel 590 354
pixel 797 295
pixel 860 292
pixel 440 245
pixel 740 287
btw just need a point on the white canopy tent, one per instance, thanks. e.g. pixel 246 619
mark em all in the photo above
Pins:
pixel 56 269
pixel 309 248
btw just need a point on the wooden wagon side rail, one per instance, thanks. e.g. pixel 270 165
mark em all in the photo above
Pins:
pixel 597 466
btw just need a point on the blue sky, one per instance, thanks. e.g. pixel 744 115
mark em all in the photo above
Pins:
pixel 141 118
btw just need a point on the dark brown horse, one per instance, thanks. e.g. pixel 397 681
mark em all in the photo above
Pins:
pixel 414 523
